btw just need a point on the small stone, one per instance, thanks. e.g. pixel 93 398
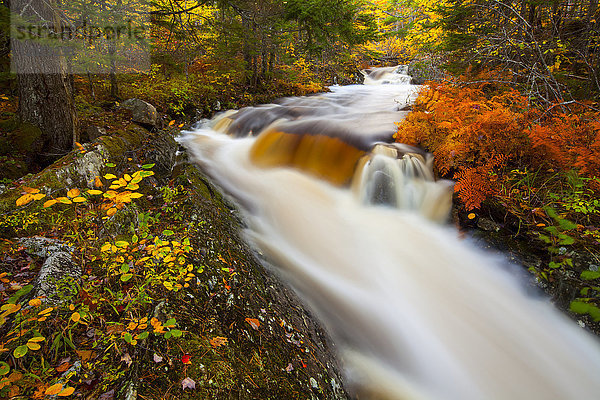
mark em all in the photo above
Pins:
pixel 313 383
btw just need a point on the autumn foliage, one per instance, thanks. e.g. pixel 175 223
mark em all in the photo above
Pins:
pixel 478 133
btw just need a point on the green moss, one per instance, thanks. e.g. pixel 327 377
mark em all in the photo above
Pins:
pixel 27 137
pixel 9 122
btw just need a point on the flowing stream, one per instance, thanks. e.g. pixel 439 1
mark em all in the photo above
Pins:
pixel 355 224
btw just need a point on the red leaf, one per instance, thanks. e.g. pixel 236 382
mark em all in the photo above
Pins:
pixel 186 359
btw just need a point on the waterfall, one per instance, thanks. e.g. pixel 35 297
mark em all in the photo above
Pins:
pixel 355 224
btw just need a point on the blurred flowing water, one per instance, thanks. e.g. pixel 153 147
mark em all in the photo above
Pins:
pixel 355 224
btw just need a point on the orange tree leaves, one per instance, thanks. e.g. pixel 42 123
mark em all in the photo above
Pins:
pixel 477 132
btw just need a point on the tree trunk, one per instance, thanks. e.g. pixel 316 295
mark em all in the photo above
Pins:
pixel 44 85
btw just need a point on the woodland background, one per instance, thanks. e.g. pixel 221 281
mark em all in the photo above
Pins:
pixel 508 107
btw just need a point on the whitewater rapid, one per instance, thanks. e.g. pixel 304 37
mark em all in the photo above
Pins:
pixel 416 312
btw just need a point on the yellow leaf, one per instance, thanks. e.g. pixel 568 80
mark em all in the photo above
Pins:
pixel 111 211
pixel 33 346
pixel 46 311
pixel 50 203
pixel 79 199
pixel 471 216
pixel 30 190
pixel 110 176
pixel 64 200
pixel 98 182
pixel 105 247
pixel 66 392
pixel 127 177
pixel 36 339
pixel 94 191
pixel 73 193
pixel 180 125
pixel 9 309
pixel 136 195
pixel 39 196
pixel 26 198
pixel 54 389
pixel 172 123
pixel 35 302
pixel 75 316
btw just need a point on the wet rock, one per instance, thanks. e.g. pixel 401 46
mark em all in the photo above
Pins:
pixel 141 111
pixel 57 268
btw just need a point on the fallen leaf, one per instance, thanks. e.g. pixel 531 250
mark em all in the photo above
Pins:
pixel 186 359
pixel 157 358
pixel 85 355
pixel 289 368
pixel 54 389
pixel 73 193
pixel 188 383
pixel 15 376
pixel 254 323
pixel 471 216
pixel 63 367
pixel 66 392
pixel 218 341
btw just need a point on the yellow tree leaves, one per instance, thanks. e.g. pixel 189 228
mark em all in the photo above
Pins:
pixel 120 192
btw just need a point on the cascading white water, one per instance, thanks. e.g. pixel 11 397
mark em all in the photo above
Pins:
pixel 416 312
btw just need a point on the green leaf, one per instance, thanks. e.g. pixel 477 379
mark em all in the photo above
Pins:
pixel 135 239
pixel 170 323
pixel 579 307
pixel 566 240
pixel 111 165
pixel 554 265
pixel 20 351
pixel 566 224
pixel 127 337
pixel 147 166
pixel 121 243
pixel 168 335
pixel 168 232
pixel 176 332
pixel 126 277
pixel 145 174
pixel 143 335
pixel 4 368
pixel 124 268
pixel 590 275
pixel 20 293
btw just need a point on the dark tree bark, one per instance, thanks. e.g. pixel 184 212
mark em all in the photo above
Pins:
pixel 45 86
